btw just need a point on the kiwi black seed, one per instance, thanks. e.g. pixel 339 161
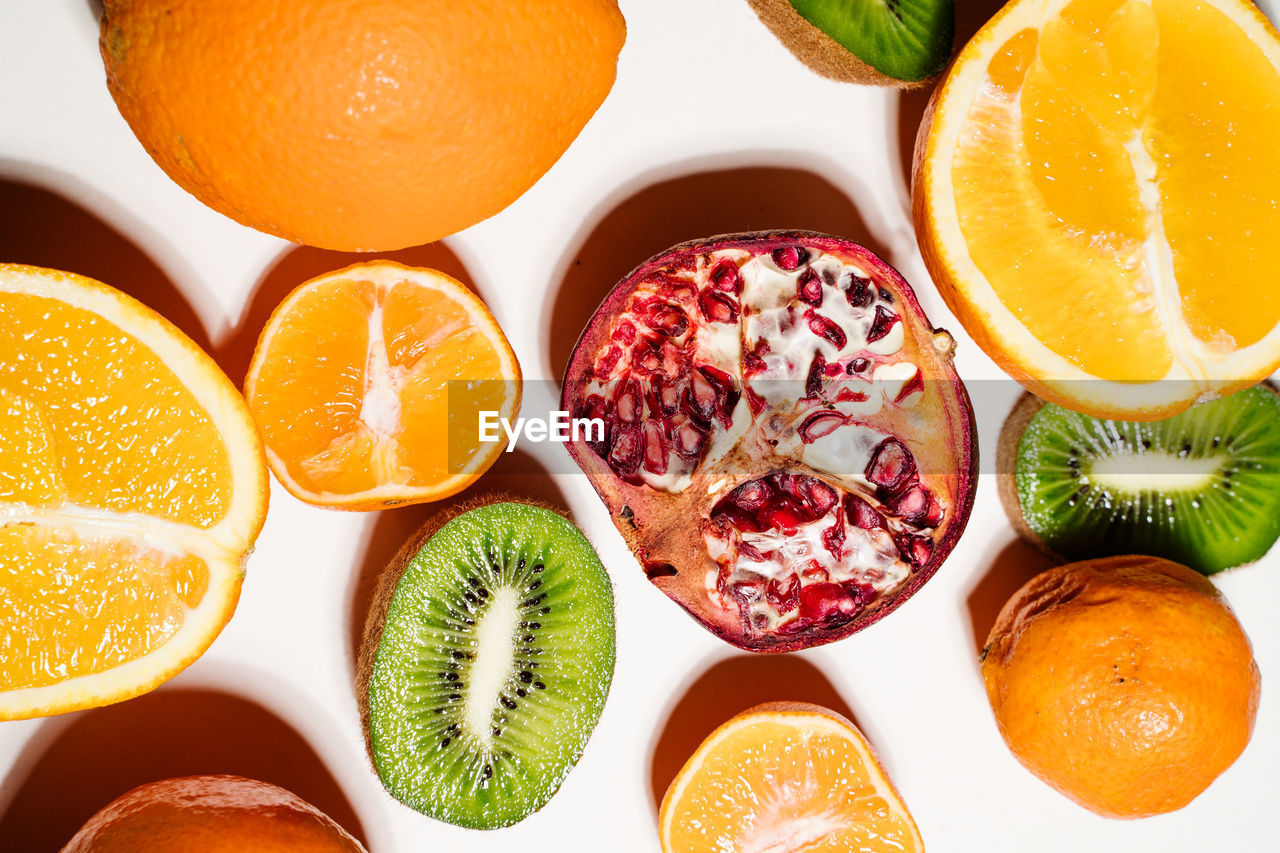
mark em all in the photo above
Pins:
pixel 1201 488
pixel 881 42
pixel 486 662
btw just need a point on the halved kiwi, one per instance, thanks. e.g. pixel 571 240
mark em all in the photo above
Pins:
pixel 881 42
pixel 486 662
pixel 1201 488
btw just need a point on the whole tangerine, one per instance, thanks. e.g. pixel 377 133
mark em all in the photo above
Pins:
pixel 359 124
pixel 1126 683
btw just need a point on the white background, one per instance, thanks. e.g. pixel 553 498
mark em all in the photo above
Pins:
pixel 711 127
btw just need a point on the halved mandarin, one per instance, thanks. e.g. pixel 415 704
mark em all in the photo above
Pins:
pixel 132 486
pixel 1096 198
pixel 368 384
pixel 785 777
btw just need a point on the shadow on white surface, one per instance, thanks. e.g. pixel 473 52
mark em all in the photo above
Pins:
pixel 729 687
pixel 655 212
pixel 76 764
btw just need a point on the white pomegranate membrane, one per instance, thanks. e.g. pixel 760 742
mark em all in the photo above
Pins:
pixel 786 353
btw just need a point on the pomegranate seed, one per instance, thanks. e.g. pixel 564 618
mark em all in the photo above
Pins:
pixel 608 361
pixel 860 293
pixel 717 307
pixel 752 363
pixel 751 496
pixel 815 572
pixel 647 359
pixel 833 537
pixel 858 365
pixel 749 591
pixel 832 369
pixel 827 603
pixel 915 550
pixel 936 513
pixel 809 287
pixel 813 382
pixel 755 401
pixel 782 514
pixel 655 449
pixel 701 397
pixel 672 360
pixel 820 424
pixel 726 394
pixel 625 333
pixel 818 496
pixel 911 504
pixel 790 258
pixel 670 320
pixel 784 596
pixel 862 514
pixel 891 464
pixel 848 395
pixel 881 325
pixel 912 386
pixel 689 439
pixel 825 327
pixel 624 456
pixel 725 277
pixel 628 404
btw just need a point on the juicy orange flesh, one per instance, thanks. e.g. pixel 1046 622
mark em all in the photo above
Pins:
pixel 1104 148
pixel 776 786
pixel 89 417
pixel 353 392
pixel 71 607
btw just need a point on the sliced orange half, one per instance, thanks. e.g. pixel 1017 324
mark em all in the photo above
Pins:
pixel 1096 197
pixel 785 778
pixel 368 384
pixel 132 486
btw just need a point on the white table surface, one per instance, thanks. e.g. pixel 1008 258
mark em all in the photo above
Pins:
pixel 711 127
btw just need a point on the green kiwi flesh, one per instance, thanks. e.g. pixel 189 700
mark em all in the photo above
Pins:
pixel 1201 488
pixel 492 664
pixel 892 42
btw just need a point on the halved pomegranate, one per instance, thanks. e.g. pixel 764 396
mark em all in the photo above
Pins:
pixel 788 449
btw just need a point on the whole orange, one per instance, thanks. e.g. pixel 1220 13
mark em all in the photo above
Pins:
pixel 359 124
pixel 1126 683
pixel 212 814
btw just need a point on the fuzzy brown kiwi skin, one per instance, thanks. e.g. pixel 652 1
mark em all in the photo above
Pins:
pixel 820 52
pixel 1007 464
pixel 389 579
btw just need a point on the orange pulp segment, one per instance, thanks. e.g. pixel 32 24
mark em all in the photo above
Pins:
pixel 1097 199
pixel 132 485
pixel 785 777
pixel 368 383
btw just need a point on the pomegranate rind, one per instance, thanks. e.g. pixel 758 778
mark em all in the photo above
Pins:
pixel 661 529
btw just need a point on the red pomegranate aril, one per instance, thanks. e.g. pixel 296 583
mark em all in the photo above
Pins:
pixel 750 591
pixel 624 456
pixel 751 496
pixel 819 424
pixel 667 396
pixel 891 464
pixel 858 365
pixel 882 323
pixel 717 307
pixel 862 514
pixel 655 450
pixel 825 327
pixel 860 293
pixel 625 333
pixel 833 537
pixel 809 287
pixel 608 361
pixel 628 404
pixel 689 439
pixel 726 394
pixel 916 550
pixel 815 572
pixel 701 397
pixel 669 320
pixel 818 496
pixel 782 514
pixel 789 258
pixel 647 359
pixel 813 381
pixel 827 603
pixel 724 276
pixel 911 504
pixel 737 518
pixel 913 385
pixel 784 596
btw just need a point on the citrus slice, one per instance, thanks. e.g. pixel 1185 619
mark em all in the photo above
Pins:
pixel 368 384
pixel 1095 197
pixel 785 776
pixel 132 486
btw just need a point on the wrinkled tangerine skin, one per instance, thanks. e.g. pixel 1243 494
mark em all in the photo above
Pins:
pixel 212 814
pixel 358 124
pixel 1126 683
